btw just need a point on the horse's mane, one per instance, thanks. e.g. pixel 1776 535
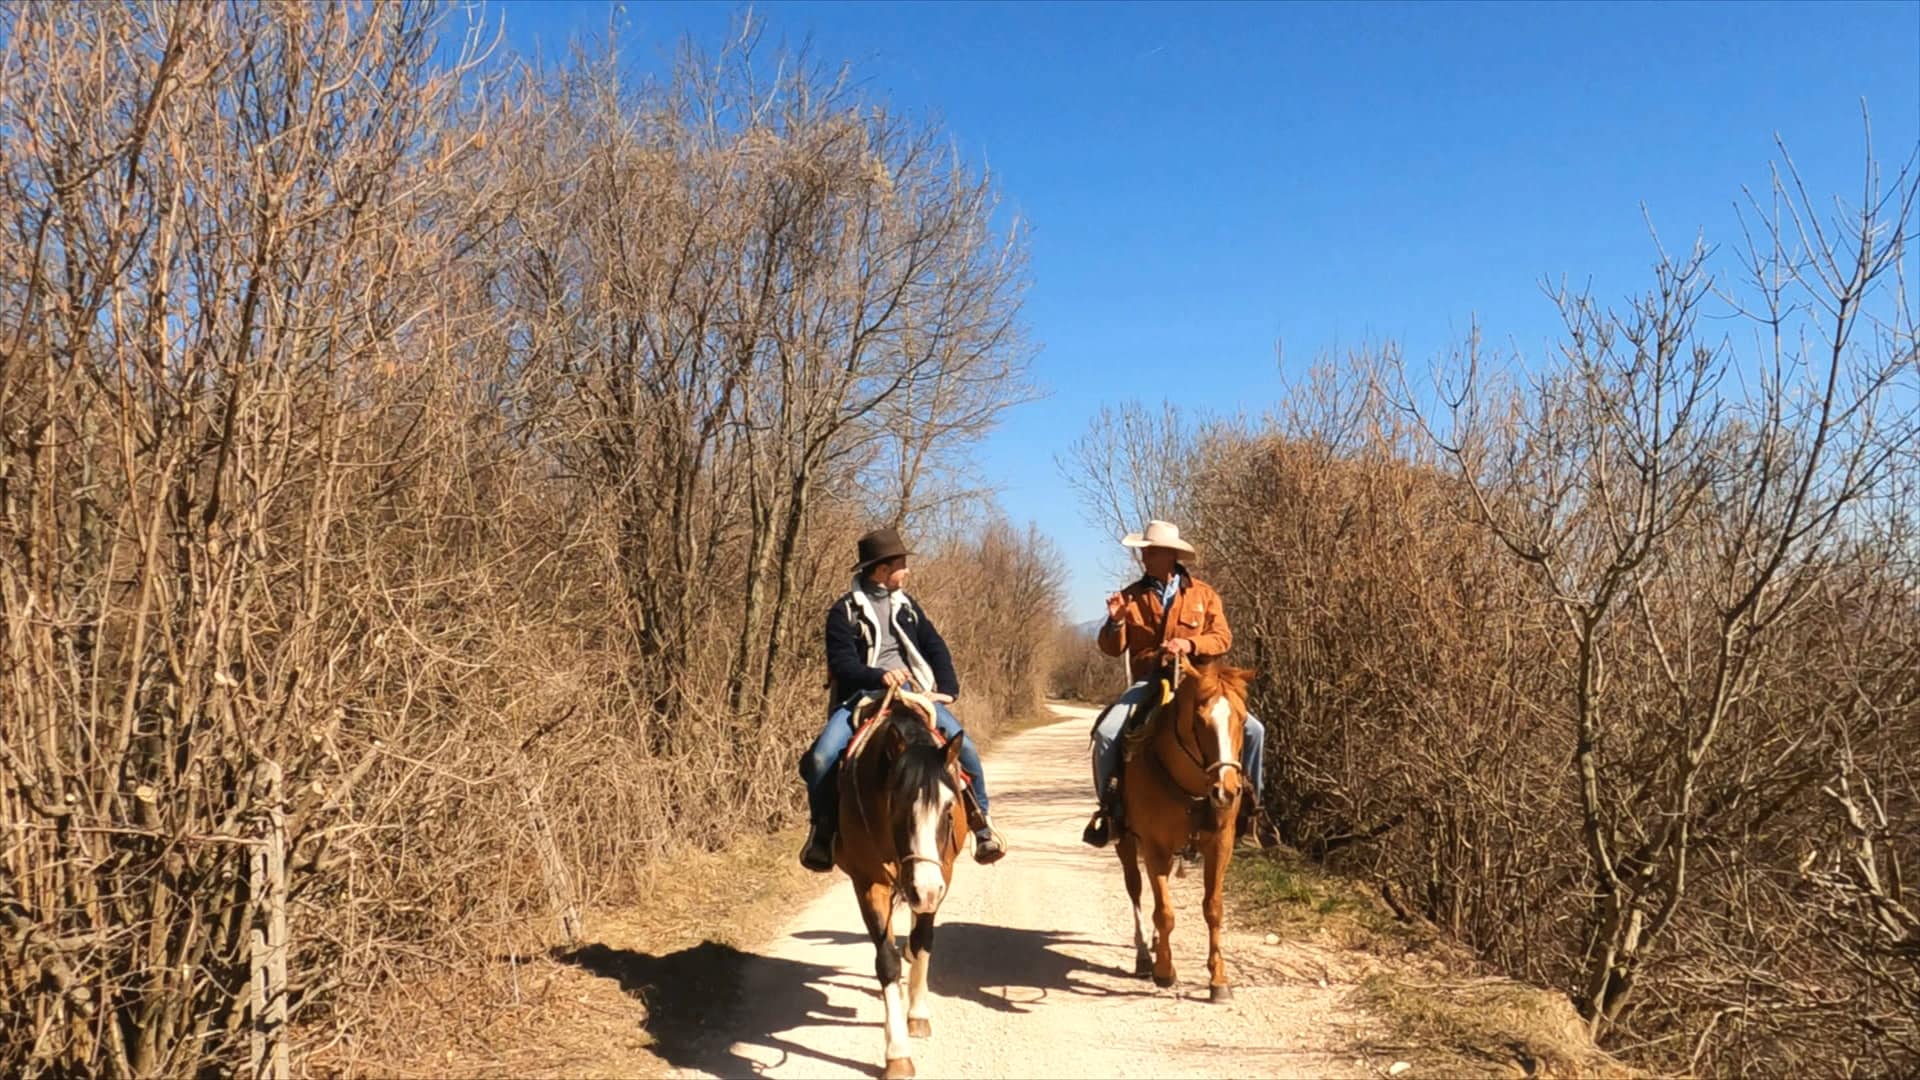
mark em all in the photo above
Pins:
pixel 1217 678
pixel 915 770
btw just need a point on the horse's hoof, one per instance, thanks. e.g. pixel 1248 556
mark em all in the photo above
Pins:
pixel 919 1027
pixel 898 1069
pixel 1220 993
pixel 1163 981
pixel 1142 969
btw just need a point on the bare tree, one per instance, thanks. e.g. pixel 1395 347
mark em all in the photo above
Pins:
pixel 213 286
pixel 1651 503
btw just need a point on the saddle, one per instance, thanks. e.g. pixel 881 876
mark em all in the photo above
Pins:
pixel 866 716
pixel 866 720
pixel 1136 733
pixel 1141 722
pixel 1138 726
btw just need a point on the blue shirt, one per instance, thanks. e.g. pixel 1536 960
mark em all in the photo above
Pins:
pixel 1170 590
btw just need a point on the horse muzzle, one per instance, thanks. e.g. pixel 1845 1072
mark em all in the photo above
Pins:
pixel 1223 792
pixel 925 885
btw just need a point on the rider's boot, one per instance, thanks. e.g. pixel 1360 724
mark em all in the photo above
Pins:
pixel 1254 827
pixel 987 846
pixel 1106 818
pixel 1097 832
pixel 817 855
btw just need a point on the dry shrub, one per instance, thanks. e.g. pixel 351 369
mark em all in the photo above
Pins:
pixel 471 470
pixel 1081 672
pixel 1612 669
pixel 995 596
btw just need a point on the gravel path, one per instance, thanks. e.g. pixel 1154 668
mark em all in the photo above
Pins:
pixel 1031 970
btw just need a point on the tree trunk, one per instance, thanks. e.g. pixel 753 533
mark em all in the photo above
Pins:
pixel 783 594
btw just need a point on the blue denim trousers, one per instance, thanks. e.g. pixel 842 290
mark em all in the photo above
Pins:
pixel 818 766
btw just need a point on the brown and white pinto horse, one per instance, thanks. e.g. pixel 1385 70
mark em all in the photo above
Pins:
pixel 1181 783
pixel 901 826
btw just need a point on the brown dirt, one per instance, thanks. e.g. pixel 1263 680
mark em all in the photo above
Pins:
pixel 766 970
pixel 1032 968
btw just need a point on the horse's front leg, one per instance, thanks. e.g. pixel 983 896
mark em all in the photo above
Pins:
pixel 876 907
pixel 920 956
pixel 1129 851
pixel 1219 854
pixel 1159 864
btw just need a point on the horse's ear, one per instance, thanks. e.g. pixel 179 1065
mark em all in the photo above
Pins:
pixel 953 748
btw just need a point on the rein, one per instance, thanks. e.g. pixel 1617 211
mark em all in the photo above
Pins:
pixel 885 703
pixel 1193 754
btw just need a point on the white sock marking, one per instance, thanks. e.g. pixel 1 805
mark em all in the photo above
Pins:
pixel 897 1046
pixel 1140 947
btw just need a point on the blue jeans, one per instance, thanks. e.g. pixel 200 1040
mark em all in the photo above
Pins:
pixel 1106 743
pixel 817 768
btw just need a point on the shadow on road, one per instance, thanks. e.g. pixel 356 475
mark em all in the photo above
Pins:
pixel 694 1011
pixel 1008 969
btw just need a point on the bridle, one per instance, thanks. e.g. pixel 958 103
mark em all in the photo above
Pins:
pixel 1214 770
pixel 946 835
pixel 946 840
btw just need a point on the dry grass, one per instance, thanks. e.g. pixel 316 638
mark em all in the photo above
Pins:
pixel 1288 895
pixel 1460 1026
pixel 541 1010
pixel 1440 1012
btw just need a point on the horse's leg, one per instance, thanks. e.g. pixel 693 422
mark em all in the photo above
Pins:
pixel 1129 851
pixel 1159 863
pixel 1219 854
pixel 876 906
pixel 920 956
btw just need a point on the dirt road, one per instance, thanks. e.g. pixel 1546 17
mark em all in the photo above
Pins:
pixel 1031 972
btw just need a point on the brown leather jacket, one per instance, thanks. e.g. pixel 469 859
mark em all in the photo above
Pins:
pixel 1197 616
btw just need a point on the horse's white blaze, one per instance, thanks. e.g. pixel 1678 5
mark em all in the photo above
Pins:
pixel 1222 715
pixel 929 815
pixel 897 1045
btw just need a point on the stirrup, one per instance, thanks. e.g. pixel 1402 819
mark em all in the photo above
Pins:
pixel 1247 828
pixel 990 849
pixel 1098 830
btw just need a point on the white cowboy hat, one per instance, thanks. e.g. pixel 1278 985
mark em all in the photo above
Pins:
pixel 1162 534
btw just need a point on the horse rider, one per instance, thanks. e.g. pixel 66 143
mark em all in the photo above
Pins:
pixel 1168 613
pixel 879 638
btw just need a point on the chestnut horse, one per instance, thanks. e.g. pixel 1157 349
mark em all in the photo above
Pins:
pixel 1181 783
pixel 901 825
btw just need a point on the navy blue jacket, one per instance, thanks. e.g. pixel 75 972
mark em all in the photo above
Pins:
pixel 850 648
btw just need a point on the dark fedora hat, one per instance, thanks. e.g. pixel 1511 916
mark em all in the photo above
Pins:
pixel 879 546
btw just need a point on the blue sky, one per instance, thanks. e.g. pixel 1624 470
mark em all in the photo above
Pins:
pixel 1205 182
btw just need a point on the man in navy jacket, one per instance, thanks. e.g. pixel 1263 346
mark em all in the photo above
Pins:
pixel 879 638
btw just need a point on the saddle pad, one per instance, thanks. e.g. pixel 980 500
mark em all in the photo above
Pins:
pixel 867 712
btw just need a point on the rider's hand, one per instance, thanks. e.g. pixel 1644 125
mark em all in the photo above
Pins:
pixel 1116 605
pixel 898 677
pixel 1177 647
